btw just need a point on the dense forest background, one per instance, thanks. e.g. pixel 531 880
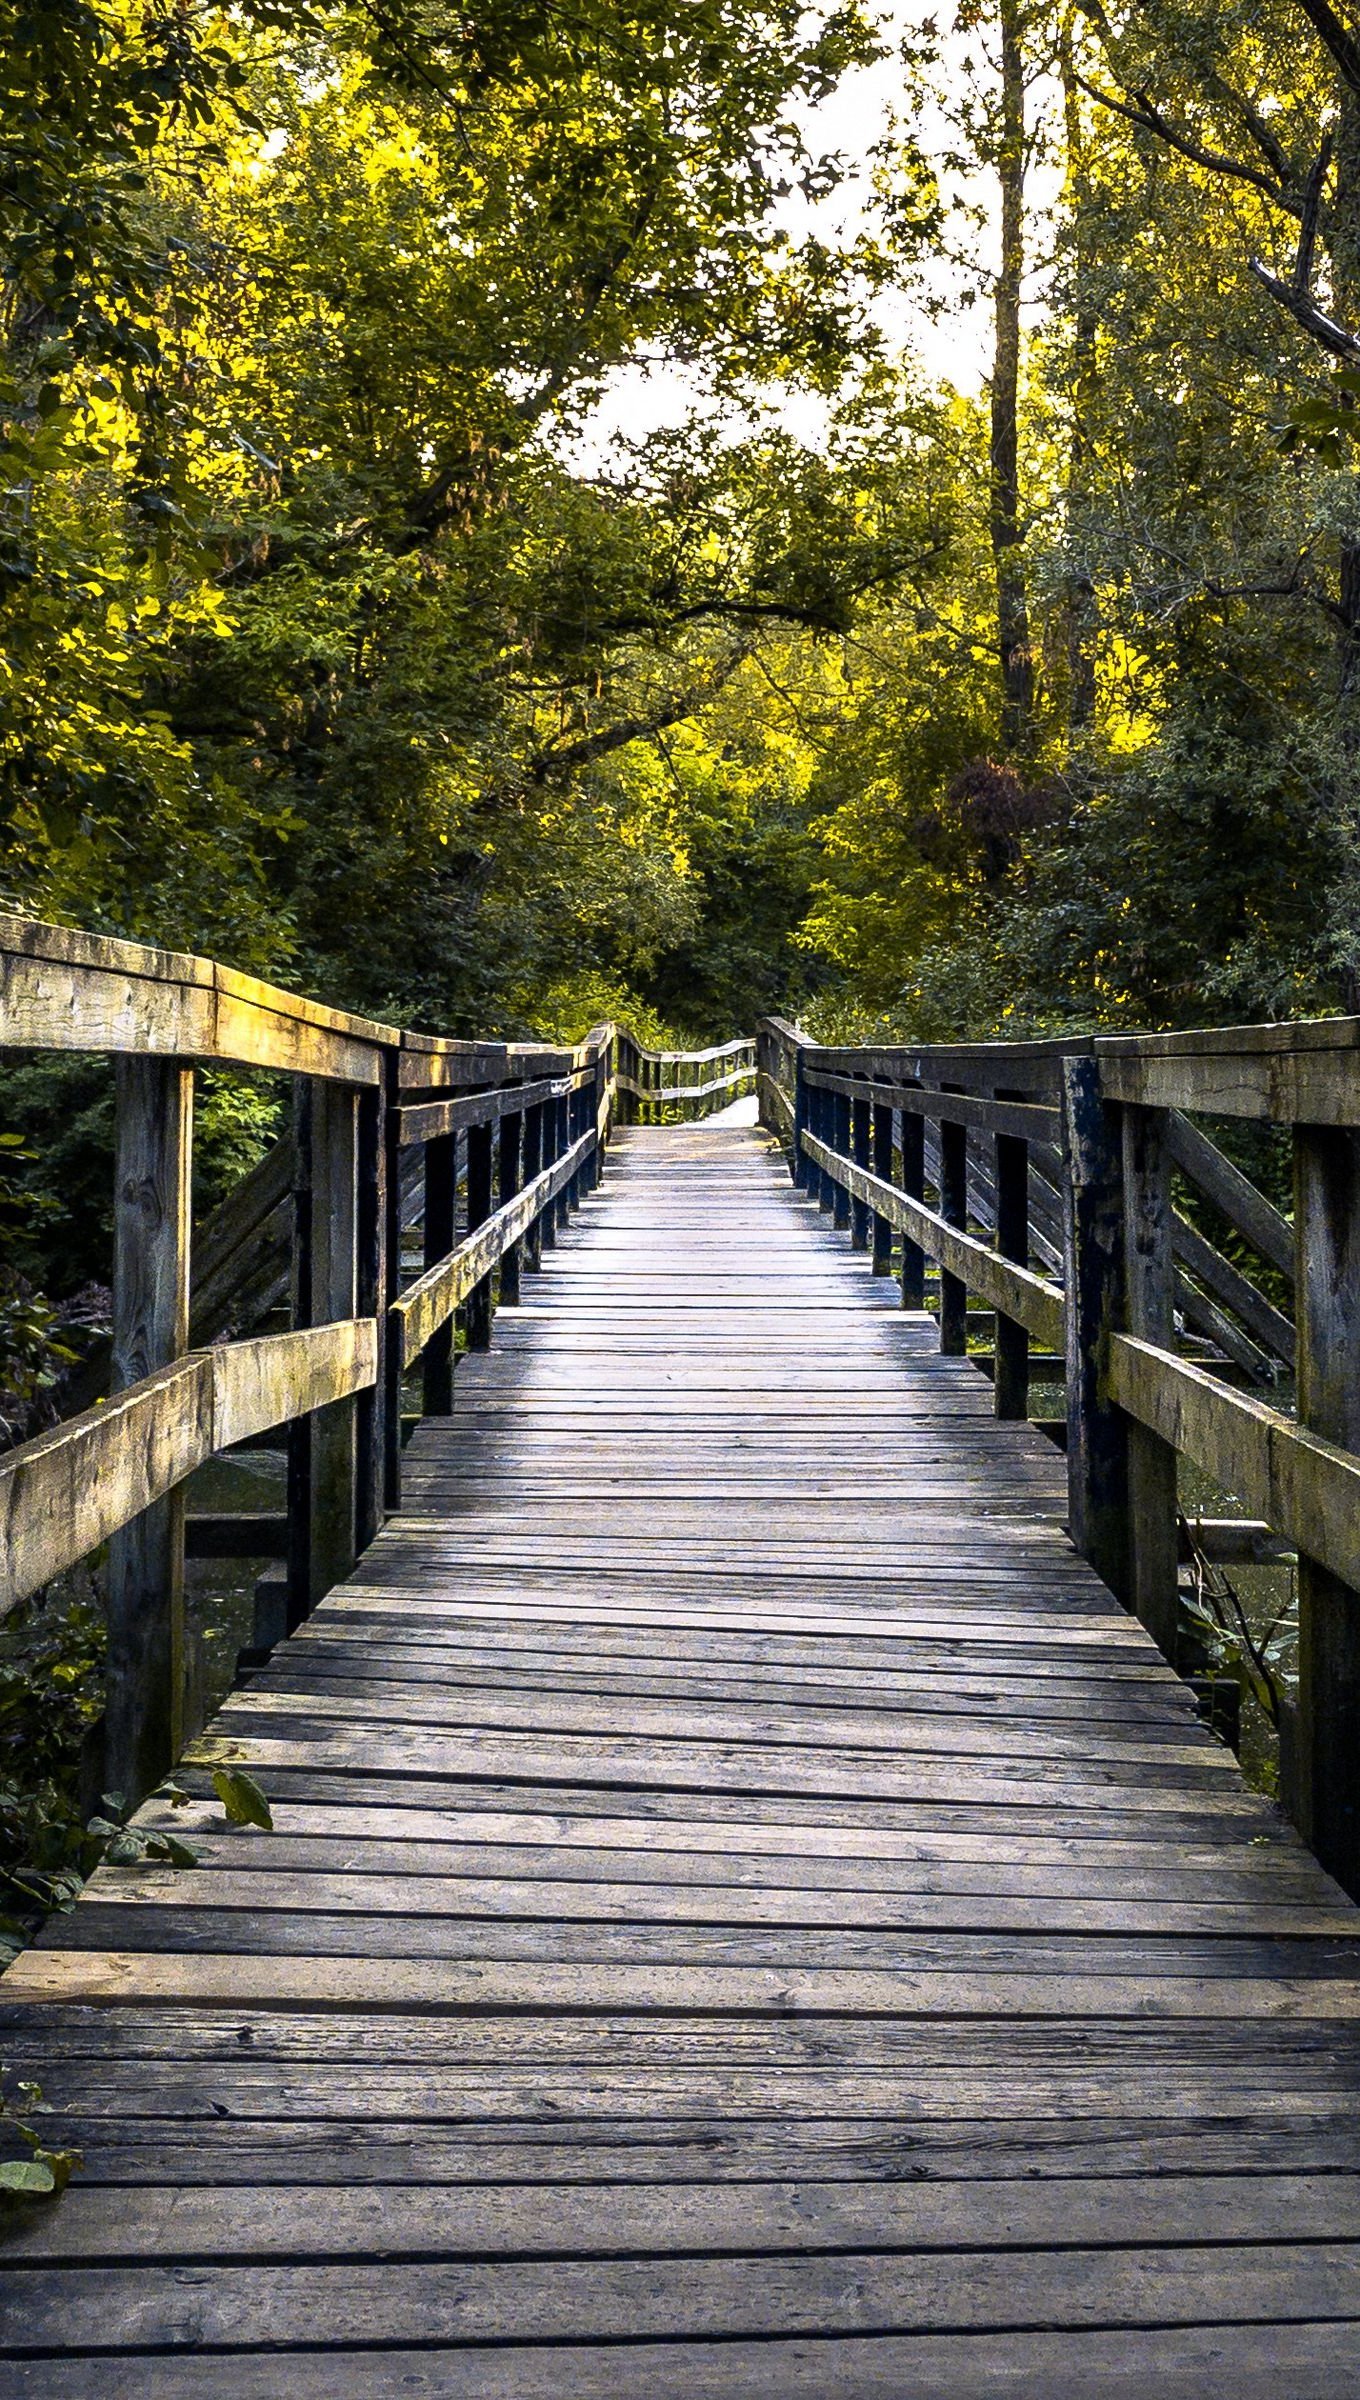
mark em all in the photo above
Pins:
pixel 334 643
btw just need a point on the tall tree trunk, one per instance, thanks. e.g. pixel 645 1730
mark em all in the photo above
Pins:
pixel 1012 609
pixel 1082 612
pixel 1345 267
pixel 1345 261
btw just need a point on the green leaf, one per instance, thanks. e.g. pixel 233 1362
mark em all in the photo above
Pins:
pixel 169 1848
pixel 27 2175
pixel 242 1798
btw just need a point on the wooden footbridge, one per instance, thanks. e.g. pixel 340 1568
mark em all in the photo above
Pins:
pixel 751 1909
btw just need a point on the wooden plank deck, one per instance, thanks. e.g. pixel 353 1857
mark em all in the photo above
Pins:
pixel 749 1918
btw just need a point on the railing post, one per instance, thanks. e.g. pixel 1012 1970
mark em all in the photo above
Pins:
pixel 323 1447
pixel 913 1267
pixel 598 1092
pixel 1010 1363
pixel 883 1150
pixel 798 1165
pixel 144 1724
pixel 533 1162
pixel 562 1204
pixel 1149 1314
pixel 1093 1275
pixel 378 1160
pixel 839 1140
pixel 550 1141
pixel 441 1220
pixel 1323 1790
pixel 393 1375
pixel 954 1210
pixel 477 1306
pixel 860 1152
pixel 509 1152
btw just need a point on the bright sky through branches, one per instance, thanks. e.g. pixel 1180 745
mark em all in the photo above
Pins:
pixel 951 342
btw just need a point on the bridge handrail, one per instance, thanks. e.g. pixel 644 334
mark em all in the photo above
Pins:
pixel 647 1096
pixel 487 1145
pixel 1040 1177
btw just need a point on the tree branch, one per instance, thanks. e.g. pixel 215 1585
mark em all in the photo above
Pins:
pixel 1335 37
pixel 552 765
pixel 1151 120
pixel 1305 312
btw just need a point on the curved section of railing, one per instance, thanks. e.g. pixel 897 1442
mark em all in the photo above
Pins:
pixel 1067 1186
pixel 681 1084
pixel 483 1148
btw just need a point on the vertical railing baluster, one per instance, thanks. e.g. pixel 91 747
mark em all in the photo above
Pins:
pixel 1322 1761
pixel 323 1447
pixel 839 1141
pixel 1149 1314
pixel 534 1119
pixel 883 1166
pixel 860 1150
pixel 1093 1276
pixel 954 1210
pixel 377 1159
pixel 913 1258
pixel 798 1165
pixel 146 1663
pixel 562 1204
pixel 441 1202
pixel 509 1154
pixel 1010 1364
pixel 477 1306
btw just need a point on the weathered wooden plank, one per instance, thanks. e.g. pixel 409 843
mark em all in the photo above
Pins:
pixel 65 1492
pixel 1310 2361
pixel 1300 1073
pixel 605 2221
pixel 240 1979
pixel 277 1376
pixel 425 1120
pixel 1307 1488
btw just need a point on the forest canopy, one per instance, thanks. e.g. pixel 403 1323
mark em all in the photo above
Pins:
pixel 337 641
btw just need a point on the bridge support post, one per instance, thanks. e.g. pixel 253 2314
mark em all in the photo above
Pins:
pixel 883 1150
pixel 144 1726
pixel 441 1209
pixel 839 1140
pixel 562 1204
pixel 1010 1387
pixel 954 1210
pixel 860 1143
pixel 379 1162
pixel 507 1184
pixel 1148 1312
pixel 477 1306
pixel 799 1168
pixel 323 1447
pixel 1093 1244
pixel 533 1164
pixel 913 1257
pixel 1321 1765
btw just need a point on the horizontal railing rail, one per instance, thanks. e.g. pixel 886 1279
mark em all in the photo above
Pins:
pixel 1070 1188
pixel 296 1311
pixel 648 1096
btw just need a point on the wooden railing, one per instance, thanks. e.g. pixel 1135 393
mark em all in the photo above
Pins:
pixel 1055 1183
pixel 485 1147
pixel 656 1084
